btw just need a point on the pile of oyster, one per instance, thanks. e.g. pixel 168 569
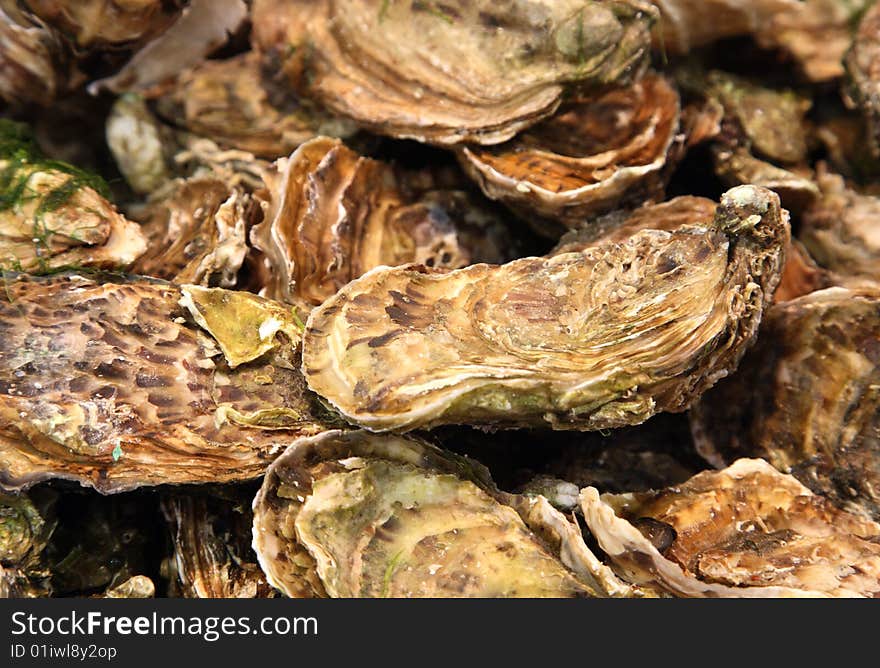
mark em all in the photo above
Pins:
pixel 405 298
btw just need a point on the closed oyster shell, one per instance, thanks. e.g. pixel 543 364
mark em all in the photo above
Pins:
pixel 600 338
pixel 806 398
pixel 232 103
pixel 746 531
pixel 595 154
pixel 212 552
pixel 32 59
pixel 450 73
pixel 862 63
pixel 334 215
pixel 111 385
pixel 351 514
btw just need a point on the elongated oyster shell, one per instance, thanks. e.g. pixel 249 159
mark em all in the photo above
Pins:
pixel 451 72
pixel 600 338
pixel 111 385
pixel 351 514
pixel 595 154
pixel 806 398
pixel 232 103
pixel 197 232
pixel 334 215
pixel 746 531
pixel 212 552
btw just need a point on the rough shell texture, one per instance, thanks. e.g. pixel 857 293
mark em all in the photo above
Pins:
pixel 863 67
pixel 138 142
pixel 353 514
pixel 333 215
pixel 233 103
pixel 460 72
pixel 600 338
pixel 746 531
pixel 806 398
pixel 111 385
pixel 197 232
pixel 212 553
pixel 31 59
pixel 592 156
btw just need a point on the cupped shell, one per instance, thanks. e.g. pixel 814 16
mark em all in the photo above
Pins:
pixel 595 154
pixel 113 384
pixel 806 398
pixel 450 72
pixel 604 337
pixel 334 215
pixel 746 531
pixel 352 514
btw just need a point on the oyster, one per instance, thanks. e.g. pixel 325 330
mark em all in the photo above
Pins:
pixel 113 384
pixel 746 531
pixel 54 215
pixel 597 153
pixel 26 525
pixel 138 143
pixel 604 337
pixel 351 514
pixel 32 60
pixel 212 553
pixel 862 64
pixel 334 215
pixel 197 232
pixel 806 398
pixel 232 103
pixel 841 230
pixel 451 72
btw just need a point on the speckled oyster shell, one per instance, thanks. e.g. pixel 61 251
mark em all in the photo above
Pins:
pixel 232 103
pixel 129 383
pixel 50 217
pixel 594 155
pixel 451 73
pixel 806 398
pixel 333 215
pixel 600 338
pixel 197 232
pixel 841 229
pixel 210 532
pixel 746 531
pixel 352 514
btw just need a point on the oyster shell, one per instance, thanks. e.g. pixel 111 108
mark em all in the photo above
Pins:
pixel 114 386
pixel 26 525
pixel 32 60
pixel 746 531
pixel 595 154
pixel 806 398
pixel 452 72
pixel 54 215
pixel 138 143
pixel 212 552
pixel 600 338
pixel 862 64
pixel 351 514
pixel 334 215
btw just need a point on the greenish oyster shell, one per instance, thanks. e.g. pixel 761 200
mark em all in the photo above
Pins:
pixel 113 385
pixel 604 337
pixel 747 531
pixel 353 514
pixel 332 215
pixel 806 398
pixel 596 154
pixel 26 526
pixel 234 104
pixel 212 557
pixel 464 72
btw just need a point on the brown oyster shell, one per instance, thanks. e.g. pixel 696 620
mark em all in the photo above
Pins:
pixel 841 229
pixel 212 553
pixel 601 338
pixel 42 231
pixel 112 385
pixel 806 398
pixel 32 60
pixel 197 232
pixel 862 65
pixel 353 514
pixel 746 531
pixel 594 155
pixel 232 103
pixel 334 215
pixel 463 72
